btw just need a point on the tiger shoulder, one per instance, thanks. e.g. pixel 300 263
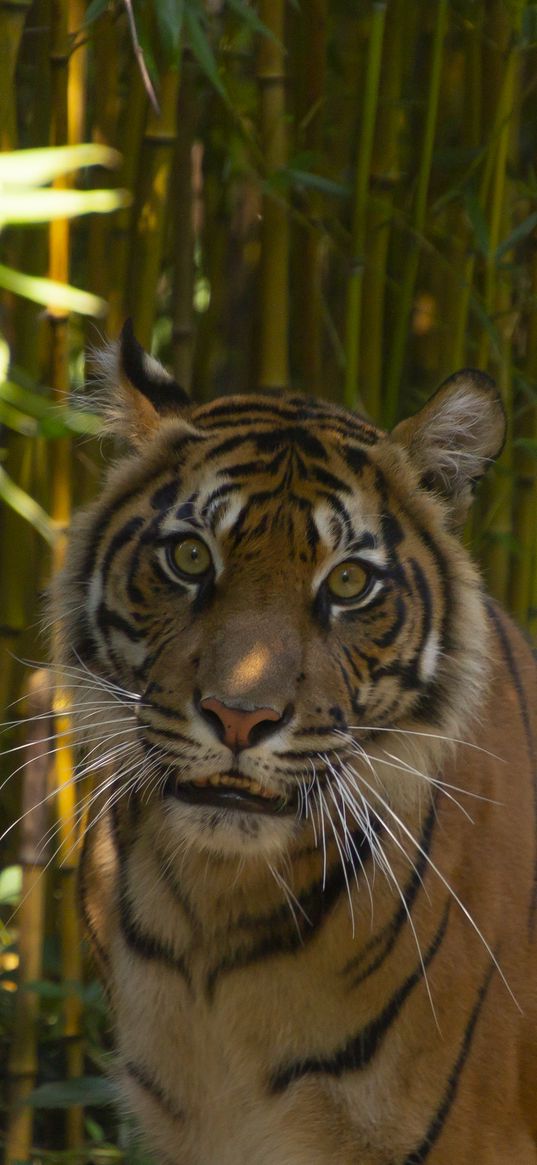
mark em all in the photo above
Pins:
pixel 309 870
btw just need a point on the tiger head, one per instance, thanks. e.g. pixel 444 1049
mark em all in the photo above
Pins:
pixel 270 605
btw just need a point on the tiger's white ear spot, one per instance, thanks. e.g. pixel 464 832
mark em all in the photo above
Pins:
pixel 455 437
pixel 136 392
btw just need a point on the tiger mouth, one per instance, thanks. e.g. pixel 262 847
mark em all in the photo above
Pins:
pixel 229 791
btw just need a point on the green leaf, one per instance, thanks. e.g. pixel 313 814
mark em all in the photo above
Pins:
pixel 26 206
pixel 520 232
pixel 51 293
pixel 169 16
pixel 478 222
pixel 297 178
pixel 35 167
pixel 10 885
pixel 94 1090
pixel 202 49
pixel 26 507
pixel 250 17
pixel 528 444
pixel 54 420
pixel 94 10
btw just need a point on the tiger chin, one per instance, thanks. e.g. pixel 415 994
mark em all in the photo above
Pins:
pixel 309 866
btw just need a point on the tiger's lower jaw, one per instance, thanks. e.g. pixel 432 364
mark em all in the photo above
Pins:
pixel 230 792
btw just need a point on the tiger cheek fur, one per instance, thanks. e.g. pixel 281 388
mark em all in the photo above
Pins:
pixel 308 873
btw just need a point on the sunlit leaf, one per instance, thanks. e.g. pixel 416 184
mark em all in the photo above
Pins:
pixel 51 293
pixel 10 885
pixel 44 205
pixel 55 420
pixel 35 167
pixel 26 507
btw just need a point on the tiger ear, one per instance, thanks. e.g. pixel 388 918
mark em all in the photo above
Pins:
pixel 140 393
pixel 455 436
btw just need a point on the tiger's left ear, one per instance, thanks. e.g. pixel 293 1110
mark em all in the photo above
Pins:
pixel 140 393
pixel 455 436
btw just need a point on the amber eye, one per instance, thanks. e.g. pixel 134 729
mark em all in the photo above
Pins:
pixel 190 556
pixel 349 580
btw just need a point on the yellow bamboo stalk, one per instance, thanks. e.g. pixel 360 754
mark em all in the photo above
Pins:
pixel 22 1063
pixel 151 207
pixel 274 266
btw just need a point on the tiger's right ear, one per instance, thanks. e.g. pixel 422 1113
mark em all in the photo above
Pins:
pixel 140 394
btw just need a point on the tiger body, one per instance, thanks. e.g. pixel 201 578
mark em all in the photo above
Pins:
pixel 309 870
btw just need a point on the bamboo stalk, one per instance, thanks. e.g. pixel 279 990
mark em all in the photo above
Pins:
pixel 497 552
pixel 310 41
pixel 274 265
pixel 148 231
pixel 359 220
pixel 523 589
pixel 131 122
pixel 23 1053
pixel 406 293
pixel 183 228
pixel 12 19
pixel 385 176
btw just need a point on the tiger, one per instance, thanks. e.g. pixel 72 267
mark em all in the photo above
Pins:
pixel 309 866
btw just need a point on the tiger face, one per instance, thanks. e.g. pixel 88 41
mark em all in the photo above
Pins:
pixel 272 597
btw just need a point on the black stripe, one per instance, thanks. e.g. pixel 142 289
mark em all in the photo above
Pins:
pixel 361 1049
pixel 284 934
pixel 153 382
pixel 530 740
pixel 387 937
pixel 420 1154
pixel 144 945
pixel 144 1080
pixel 107 620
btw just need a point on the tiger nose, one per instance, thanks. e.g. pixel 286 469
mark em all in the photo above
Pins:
pixel 239 727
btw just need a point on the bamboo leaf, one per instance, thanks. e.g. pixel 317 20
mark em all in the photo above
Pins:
pixel 250 17
pixel 94 1090
pixel 478 222
pixel 54 420
pixel 36 167
pixel 169 16
pixel 10 885
pixel 51 293
pixel 26 507
pixel 528 444
pixel 308 181
pixel 94 10
pixel 520 232
pixel 45 205
pixel 202 49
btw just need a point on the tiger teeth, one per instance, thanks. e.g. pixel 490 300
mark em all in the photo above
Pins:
pixel 246 783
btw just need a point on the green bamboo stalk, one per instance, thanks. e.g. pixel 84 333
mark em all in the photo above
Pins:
pixel 182 311
pixel 359 220
pixel 274 265
pixel 147 239
pixel 131 122
pixel 497 551
pixel 104 131
pixel 406 293
pixel 22 1060
pixel 523 588
pixel 385 177
pixel 309 240
pixel 13 15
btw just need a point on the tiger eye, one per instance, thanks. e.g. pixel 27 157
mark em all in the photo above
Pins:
pixel 190 556
pixel 347 580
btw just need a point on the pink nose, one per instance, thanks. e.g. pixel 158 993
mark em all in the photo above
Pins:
pixel 235 725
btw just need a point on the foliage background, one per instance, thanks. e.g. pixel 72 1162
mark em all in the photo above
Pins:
pixel 340 197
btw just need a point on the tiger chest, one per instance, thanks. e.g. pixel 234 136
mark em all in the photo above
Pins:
pixel 211 1024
